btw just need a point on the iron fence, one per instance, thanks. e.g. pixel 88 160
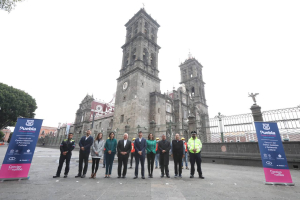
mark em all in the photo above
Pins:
pixel 240 128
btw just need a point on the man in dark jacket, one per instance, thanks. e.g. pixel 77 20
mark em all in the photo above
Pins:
pixel 66 147
pixel 124 148
pixel 177 154
pixel 164 148
pixel 85 144
pixel 140 146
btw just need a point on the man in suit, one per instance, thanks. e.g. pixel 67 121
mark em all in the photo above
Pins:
pixel 124 148
pixel 140 145
pixel 178 149
pixel 164 148
pixel 66 148
pixel 85 144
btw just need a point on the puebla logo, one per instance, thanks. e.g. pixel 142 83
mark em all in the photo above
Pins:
pixel 266 127
pixel 29 122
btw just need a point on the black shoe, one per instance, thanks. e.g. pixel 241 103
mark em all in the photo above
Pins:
pixel 175 176
pixel 192 176
pixel 78 176
pixel 123 176
pixel 180 176
pixel 135 177
pixel 168 176
pixel 119 176
pixel 83 176
pixel 200 176
pixel 151 176
pixel 162 175
pixel 65 176
pixel 155 167
pixel 130 167
pixel 143 177
pixel 56 176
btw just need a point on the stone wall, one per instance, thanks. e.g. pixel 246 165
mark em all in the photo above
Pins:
pixel 246 153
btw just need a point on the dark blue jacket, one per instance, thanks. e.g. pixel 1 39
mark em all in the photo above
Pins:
pixel 140 146
pixel 86 143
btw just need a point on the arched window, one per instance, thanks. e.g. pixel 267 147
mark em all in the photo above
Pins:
pixel 145 56
pixel 193 91
pixel 133 55
pixel 152 60
pixel 146 31
pixel 126 60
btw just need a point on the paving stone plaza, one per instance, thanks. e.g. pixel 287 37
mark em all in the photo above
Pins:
pixel 221 182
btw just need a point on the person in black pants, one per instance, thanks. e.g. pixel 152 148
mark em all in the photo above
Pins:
pixel 123 147
pixel 85 144
pixel 151 150
pixel 177 154
pixel 164 148
pixel 66 148
pixel 140 146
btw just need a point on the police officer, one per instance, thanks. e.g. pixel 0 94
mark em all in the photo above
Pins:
pixel 195 146
pixel 66 147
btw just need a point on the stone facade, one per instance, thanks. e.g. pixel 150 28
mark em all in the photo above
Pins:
pixel 139 103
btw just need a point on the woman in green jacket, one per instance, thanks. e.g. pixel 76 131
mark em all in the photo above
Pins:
pixel 151 150
pixel 110 151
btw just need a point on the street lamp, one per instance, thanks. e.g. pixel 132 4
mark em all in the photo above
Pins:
pixel 219 116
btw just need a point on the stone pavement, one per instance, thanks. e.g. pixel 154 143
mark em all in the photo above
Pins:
pixel 221 182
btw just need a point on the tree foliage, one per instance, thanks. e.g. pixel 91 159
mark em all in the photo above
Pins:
pixel 1 135
pixel 14 103
pixel 8 5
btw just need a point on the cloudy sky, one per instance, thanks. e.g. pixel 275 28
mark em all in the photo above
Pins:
pixel 59 51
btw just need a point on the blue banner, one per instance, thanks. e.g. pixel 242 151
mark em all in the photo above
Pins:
pixel 18 158
pixel 272 153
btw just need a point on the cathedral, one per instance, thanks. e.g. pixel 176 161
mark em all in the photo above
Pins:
pixel 138 104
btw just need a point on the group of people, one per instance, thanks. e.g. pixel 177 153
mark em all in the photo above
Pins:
pixel 156 150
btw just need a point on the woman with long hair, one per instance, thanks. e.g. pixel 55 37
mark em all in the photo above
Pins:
pixel 96 153
pixel 151 151
pixel 110 151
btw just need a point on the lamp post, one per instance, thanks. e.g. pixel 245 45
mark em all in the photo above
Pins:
pixel 219 116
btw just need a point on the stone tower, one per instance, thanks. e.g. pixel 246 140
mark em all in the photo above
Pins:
pixel 138 74
pixel 191 77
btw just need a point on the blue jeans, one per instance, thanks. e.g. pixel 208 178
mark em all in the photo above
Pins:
pixel 156 159
pixel 109 162
pixel 185 159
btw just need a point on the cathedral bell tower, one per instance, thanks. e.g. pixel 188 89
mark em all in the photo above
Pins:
pixel 138 74
pixel 191 77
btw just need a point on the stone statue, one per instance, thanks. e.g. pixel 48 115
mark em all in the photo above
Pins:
pixel 253 97
pixel 183 87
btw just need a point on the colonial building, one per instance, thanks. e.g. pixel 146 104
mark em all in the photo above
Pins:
pixel 138 103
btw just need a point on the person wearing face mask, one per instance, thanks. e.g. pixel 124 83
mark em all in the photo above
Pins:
pixel 195 146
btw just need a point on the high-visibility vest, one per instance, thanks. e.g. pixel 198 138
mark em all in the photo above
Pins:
pixel 194 144
pixel 185 145
pixel 132 147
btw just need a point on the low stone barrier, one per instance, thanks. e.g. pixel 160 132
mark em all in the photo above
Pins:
pixel 246 153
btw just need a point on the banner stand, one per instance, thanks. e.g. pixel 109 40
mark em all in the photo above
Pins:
pixel 13 179
pixel 283 184
pixel 19 153
pixel 272 153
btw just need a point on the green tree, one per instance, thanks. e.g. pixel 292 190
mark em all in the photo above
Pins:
pixel 14 103
pixel 1 136
pixel 8 5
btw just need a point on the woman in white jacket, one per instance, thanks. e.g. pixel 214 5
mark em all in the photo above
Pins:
pixel 96 153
